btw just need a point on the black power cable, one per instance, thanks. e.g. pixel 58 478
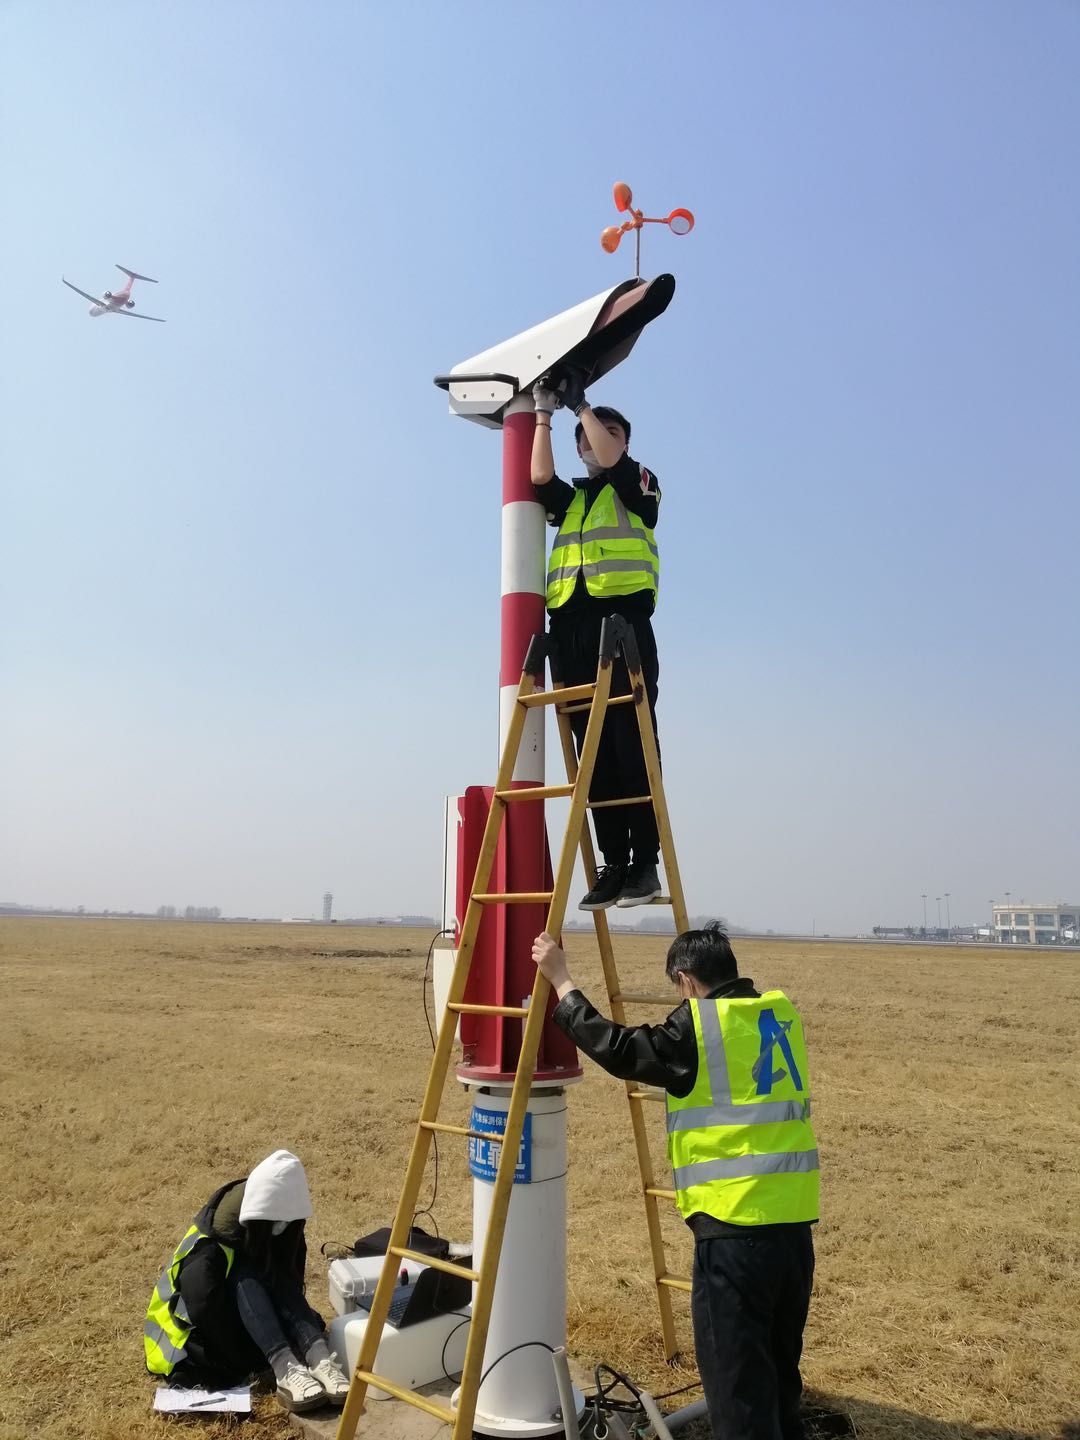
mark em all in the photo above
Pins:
pixel 430 1206
pixel 465 1320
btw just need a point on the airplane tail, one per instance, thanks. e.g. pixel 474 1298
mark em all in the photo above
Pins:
pixel 134 275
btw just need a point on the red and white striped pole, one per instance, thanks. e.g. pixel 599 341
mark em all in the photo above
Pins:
pixel 523 587
pixel 519 1394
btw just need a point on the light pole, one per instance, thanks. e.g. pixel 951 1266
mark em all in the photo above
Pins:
pixel 938 899
pixel 948 915
pixel 924 915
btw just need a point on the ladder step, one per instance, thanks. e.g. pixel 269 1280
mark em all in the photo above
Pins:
pixel 519 897
pixel 441 1412
pixel 656 1095
pixel 674 1282
pixel 554 697
pixel 449 1266
pixel 645 997
pixel 610 804
pixel 659 1194
pixel 573 709
pixel 519 1012
pixel 535 792
pixel 442 1128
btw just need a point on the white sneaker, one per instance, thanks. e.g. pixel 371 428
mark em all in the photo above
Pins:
pixel 333 1379
pixel 300 1390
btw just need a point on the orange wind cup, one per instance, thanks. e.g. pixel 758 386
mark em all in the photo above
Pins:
pixel 679 222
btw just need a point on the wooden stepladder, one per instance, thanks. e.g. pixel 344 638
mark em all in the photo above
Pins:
pixel 618 998
pixel 595 696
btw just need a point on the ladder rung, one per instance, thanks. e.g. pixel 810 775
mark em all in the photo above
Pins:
pixel 554 697
pixel 610 804
pixel 518 1011
pixel 444 1129
pixel 674 1282
pixel 535 792
pixel 441 1412
pixel 644 997
pixel 573 709
pixel 519 897
pixel 659 1194
pixel 657 1095
pixel 404 1253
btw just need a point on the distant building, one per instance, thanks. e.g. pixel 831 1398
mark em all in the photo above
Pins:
pixel 1036 924
pixel 327 907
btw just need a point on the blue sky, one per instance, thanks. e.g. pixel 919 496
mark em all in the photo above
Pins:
pixel 250 564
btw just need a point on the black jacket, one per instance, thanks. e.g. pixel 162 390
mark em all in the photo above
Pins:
pixel 665 1055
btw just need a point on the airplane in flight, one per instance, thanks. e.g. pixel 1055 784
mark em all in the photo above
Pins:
pixel 117 302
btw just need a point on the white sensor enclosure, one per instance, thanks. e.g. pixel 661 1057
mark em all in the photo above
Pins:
pixel 595 335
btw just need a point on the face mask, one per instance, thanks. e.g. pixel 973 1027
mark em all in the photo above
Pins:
pixel 588 459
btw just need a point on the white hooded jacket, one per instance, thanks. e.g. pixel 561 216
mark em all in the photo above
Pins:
pixel 276 1189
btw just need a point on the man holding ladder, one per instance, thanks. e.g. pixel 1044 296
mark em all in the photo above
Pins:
pixel 745 1161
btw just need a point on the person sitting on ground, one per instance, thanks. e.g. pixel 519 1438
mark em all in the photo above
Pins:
pixel 604 561
pixel 231 1302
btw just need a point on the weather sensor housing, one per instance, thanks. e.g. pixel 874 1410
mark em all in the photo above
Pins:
pixel 593 336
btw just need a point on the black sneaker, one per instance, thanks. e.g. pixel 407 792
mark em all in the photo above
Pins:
pixel 608 888
pixel 642 885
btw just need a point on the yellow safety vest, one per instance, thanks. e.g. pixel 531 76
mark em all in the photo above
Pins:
pixel 168 1325
pixel 615 550
pixel 741 1144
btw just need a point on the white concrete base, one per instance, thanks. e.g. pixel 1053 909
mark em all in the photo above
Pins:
pixel 520 1396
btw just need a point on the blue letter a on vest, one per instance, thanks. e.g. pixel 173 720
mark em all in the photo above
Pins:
pixel 773 1032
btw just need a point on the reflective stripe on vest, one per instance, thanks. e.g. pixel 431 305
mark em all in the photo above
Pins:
pixel 740 1158
pixel 615 551
pixel 168 1325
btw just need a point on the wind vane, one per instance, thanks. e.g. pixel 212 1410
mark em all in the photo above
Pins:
pixel 680 222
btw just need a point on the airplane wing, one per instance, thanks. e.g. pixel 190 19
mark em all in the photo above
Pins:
pixel 94 299
pixel 135 315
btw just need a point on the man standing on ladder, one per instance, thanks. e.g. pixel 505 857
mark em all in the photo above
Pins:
pixel 733 1064
pixel 604 561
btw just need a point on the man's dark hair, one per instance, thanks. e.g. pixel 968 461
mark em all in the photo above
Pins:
pixel 607 416
pixel 705 954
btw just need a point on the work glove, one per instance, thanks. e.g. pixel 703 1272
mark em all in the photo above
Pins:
pixel 572 389
pixel 545 400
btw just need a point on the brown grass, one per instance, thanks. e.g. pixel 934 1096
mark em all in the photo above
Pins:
pixel 144 1063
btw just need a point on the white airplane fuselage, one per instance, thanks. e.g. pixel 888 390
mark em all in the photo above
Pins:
pixel 111 304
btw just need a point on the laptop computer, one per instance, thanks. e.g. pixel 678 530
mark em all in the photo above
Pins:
pixel 433 1292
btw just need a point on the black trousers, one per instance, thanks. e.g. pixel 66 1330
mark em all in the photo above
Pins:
pixel 620 765
pixel 750 1300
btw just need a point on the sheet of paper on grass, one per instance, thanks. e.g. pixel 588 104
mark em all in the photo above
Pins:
pixel 177 1401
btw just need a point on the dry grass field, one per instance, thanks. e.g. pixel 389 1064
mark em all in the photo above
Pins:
pixel 143 1064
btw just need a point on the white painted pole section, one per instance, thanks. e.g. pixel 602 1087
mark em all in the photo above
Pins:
pixel 521 1394
pixel 523 543
pixel 529 767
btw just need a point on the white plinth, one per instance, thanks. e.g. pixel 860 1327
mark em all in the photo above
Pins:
pixel 520 1396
